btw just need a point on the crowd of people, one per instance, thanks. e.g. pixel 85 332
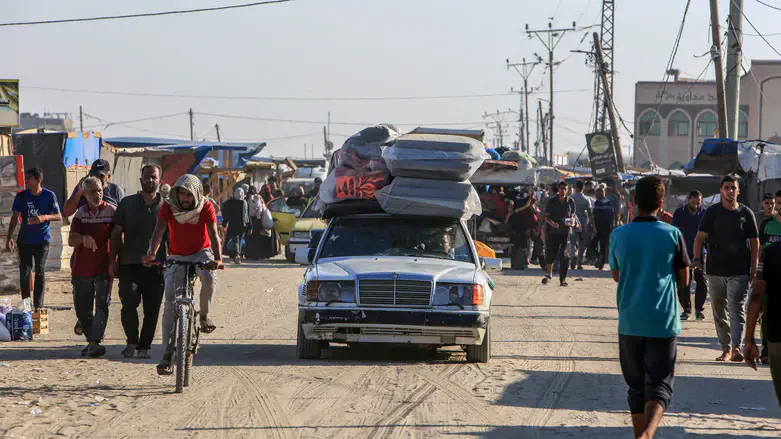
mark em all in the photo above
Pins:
pixel 655 257
pixel 132 238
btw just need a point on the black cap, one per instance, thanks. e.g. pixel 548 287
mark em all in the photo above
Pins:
pixel 100 168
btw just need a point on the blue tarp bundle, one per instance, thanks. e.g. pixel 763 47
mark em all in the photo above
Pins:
pixel 717 157
pixel 81 149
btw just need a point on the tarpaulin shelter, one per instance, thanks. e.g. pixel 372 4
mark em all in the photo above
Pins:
pixel 63 156
pixel 175 157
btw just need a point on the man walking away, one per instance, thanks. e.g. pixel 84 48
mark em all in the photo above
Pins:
pixel 687 219
pixel 192 225
pixel 768 210
pixel 112 193
pixel 648 259
pixel 89 236
pixel 559 213
pixel 37 207
pixel 733 252
pixel 236 220
pixel 582 236
pixel 135 218
pixel 604 220
pixel 769 233
pixel 765 294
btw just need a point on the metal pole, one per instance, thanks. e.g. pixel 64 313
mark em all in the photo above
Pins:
pixel 521 141
pixel 721 103
pixel 611 111
pixel 540 131
pixel 526 103
pixel 192 126
pixel 734 60
pixel 81 119
pixel 217 128
pixel 550 138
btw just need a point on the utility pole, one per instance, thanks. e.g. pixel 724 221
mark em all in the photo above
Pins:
pixel 81 119
pixel 525 70
pixel 715 50
pixel 611 111
pixel 734 62
pixel 192 125
pixel 540 132
pixel 217 128
pixel 553 40
pixel 606 40
pixel 522 142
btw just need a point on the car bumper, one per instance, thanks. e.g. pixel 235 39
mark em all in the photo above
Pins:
pixel 375 326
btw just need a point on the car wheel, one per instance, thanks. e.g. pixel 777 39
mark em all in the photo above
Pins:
pixel 291 257
pixel 480 353
pixel 307 349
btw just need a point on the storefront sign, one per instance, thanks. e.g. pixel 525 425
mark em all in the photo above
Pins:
pixel 9 103
pixel 601 155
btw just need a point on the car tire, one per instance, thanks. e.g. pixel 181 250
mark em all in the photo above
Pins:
pixel 291 257
pixel 480 353
pixel 307 349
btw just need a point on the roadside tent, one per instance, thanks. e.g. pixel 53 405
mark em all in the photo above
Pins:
pixel 127 155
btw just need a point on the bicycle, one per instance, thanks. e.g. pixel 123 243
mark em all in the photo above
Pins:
pixel 185 330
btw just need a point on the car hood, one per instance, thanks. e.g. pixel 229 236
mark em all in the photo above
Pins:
pixel 436 269
pixel 307 224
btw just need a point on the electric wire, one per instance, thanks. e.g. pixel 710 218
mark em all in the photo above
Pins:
pixel 148 14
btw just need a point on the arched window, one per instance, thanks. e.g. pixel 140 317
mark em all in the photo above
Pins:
pixel 650 125
pixel 742 125
pixel 678 124
pixel 707 124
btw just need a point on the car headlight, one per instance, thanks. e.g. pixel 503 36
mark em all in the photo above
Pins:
pixel 300 235
pixel 333 291
pixel 459 294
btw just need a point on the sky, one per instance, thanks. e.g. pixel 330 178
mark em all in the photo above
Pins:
pixel 343 49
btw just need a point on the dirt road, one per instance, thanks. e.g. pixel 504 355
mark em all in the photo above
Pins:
pixel 554 373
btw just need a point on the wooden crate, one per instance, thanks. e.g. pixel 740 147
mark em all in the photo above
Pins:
pixel 41 321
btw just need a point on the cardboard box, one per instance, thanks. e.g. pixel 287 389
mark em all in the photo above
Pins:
pixel 41 322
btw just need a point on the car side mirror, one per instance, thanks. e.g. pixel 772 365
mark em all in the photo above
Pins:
pixel 492 264
pixel 304 256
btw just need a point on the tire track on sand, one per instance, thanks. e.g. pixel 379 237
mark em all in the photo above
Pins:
pixel 269 410
pixel 396 417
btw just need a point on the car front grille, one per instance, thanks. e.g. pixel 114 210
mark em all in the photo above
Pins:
pixel 409 293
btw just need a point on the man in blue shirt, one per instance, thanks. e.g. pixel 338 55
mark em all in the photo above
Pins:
pixel 648 259
pixel 687 219
pixel 37 207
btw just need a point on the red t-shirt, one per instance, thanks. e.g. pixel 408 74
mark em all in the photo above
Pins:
pixel 188 239
pixel 97 224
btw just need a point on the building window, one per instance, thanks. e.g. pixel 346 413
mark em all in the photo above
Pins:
pixel 742 125
pixel 650 124
pixel 678 124
pixel 707 125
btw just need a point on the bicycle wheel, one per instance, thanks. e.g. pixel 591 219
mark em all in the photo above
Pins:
pixel 188 359
pixel 181 346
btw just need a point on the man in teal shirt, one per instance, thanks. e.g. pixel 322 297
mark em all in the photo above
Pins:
pixel 649 261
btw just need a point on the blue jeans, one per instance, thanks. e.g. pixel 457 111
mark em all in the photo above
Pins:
pixel 728 299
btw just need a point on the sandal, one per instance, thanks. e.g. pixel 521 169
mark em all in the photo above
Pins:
pixel 564 284
pixel 207 326
pixel 164 368
pixel 78 330
pixel 129 351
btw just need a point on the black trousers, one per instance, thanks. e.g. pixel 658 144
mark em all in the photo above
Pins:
pixel 91 299
pixel 558 246
pixel 648 366
pixel 137 285
pixel 29 253
pixel 701 292
pixel 603 238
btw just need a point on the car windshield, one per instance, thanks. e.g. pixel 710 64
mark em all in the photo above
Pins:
pixel 396 236
pixel 310 211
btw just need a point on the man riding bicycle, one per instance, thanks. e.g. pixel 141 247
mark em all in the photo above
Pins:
pixel 192 225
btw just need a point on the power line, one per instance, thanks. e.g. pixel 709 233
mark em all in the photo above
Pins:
pixel 757 30
pixel 148 14
pixel 136 120
pixel 768 5
pixel 670 62
pixel 108 123
pixel 320 122
pixel 285 98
